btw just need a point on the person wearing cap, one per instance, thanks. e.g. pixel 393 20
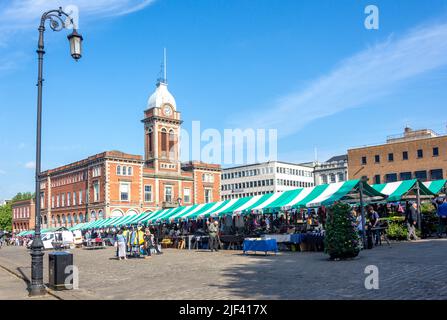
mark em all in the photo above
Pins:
pixel 213 229
pixel 412 216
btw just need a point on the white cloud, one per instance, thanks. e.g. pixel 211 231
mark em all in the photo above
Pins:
pixel 22 16
pixel 30 165
pixel 360 79
pixel 21 13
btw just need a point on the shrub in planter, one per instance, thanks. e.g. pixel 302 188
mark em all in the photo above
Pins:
pixel 397 231
pixel 341 238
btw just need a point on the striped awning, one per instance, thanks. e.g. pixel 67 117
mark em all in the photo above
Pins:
pixel 401 190
pixel 436 186
pixel 347 191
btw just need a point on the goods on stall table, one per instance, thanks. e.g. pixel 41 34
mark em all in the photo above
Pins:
pixel 278 237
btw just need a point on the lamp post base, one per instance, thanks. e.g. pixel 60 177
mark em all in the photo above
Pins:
pixel 37 291
pixel 36 287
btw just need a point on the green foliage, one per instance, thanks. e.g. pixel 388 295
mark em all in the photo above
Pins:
pixel 399 218
pixel 23 196
pixel 428 208
pixel 341 239
pixel 6 217
pixel 397 231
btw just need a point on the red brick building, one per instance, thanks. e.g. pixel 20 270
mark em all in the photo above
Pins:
pixel 23 215
pixel 114 183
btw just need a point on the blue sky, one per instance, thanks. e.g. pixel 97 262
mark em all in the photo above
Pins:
pixel 308 68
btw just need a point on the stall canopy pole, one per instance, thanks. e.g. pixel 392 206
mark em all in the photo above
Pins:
pixel 418 201
pixel 362 211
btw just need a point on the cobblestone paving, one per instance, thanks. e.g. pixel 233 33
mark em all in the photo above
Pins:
pixel 406 271
pixel 14 288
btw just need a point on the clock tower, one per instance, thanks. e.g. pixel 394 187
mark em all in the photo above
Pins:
pixel 162 131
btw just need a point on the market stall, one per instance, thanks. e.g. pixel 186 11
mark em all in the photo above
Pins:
pixel 437 187
pixel 404 190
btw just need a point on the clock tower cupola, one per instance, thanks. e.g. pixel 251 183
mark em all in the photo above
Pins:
pixel 162 130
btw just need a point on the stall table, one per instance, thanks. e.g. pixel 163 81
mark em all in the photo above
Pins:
pixel 263 245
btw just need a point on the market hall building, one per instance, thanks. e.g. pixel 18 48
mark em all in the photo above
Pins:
pixel 113 183
pixel 415 154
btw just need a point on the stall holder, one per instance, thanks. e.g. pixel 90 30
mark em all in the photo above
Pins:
pixel 261 245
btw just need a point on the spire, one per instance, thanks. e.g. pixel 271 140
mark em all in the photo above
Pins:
pixel 163 75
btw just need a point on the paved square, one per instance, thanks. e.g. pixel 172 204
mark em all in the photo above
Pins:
pixel 406 271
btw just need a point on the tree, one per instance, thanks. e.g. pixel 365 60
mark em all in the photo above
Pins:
pixel 23 196
pixel 341 238
pixel 6 217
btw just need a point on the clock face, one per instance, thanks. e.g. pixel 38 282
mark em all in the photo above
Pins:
pixel 167 110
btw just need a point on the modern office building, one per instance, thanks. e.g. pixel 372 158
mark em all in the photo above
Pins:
pixel 263 178
pixel 420 154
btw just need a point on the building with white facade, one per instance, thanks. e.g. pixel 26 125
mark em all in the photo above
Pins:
pixel 263 178
pixel 333 170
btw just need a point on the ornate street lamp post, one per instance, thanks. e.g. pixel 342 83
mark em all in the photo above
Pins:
pixel 56 24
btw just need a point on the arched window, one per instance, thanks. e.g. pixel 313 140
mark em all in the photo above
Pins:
pixel 69 218
pixel 93 215
pixel 129 171
pixel 171 144
pixel 53 220
pixel 100 214
pixel 58 218
pixel 150 142
pixel 164 141
pixel 81 217
pixel 86 217
pixel 118 170
pixel 75 218
pixel 45 220
pixel 64 220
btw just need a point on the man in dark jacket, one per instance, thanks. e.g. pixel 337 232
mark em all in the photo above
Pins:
pixel 213 230
pixel 412 216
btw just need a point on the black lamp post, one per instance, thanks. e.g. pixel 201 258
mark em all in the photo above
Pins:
pixel 56 24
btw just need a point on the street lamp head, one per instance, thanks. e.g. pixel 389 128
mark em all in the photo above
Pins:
pixel 75 44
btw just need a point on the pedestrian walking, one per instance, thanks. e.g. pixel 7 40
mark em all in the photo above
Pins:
pixel 412 216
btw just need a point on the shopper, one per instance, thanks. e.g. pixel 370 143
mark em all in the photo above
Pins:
pixel 373 218
pixel 442 217
pixel 149 243
pixel 121 243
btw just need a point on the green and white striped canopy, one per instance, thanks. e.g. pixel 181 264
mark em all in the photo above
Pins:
pixel 436 186
pixel 304 197
pixel 327 194
pixel 400 190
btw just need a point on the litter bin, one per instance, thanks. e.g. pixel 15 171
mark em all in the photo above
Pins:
pixel 58 262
